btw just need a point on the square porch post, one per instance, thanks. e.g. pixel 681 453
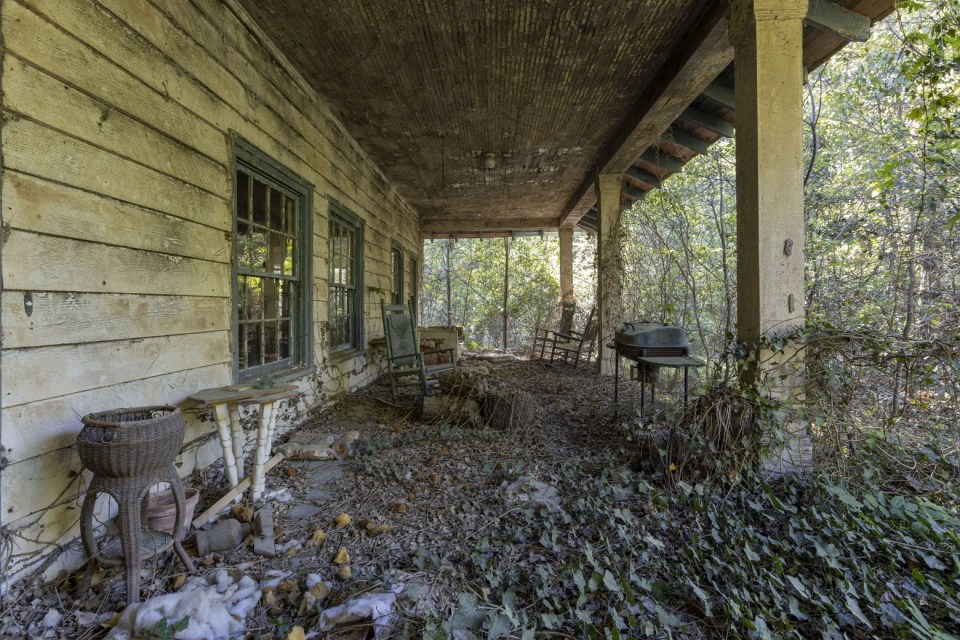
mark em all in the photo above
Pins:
pixel 609 260
pixel 566 264
pixel 767 36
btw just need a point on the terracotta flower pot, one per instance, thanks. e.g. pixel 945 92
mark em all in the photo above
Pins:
pixel 162 510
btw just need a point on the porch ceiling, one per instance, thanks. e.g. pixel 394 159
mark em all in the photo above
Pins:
pixel 495 116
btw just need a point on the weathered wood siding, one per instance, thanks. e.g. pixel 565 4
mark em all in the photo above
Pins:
pixel 118 121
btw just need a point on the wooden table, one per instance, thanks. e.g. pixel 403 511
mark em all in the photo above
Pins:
pixel 642 362
pixel 225 402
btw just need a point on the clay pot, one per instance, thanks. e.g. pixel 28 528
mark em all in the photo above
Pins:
pixel 162 510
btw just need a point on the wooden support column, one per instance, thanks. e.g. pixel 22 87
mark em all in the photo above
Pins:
pixel 566 264
pixel 767 40
pixel 609 306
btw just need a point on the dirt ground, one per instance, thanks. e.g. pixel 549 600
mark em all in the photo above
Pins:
pixel 457 508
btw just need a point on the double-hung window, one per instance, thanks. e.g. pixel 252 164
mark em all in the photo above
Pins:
pixel 346 280
pixel 271 258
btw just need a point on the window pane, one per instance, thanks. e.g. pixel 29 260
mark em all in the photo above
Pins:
pixel 253 344
pixel 276 253
pixel 259 203
pixel 271 349
pixel 283 328
pixel 244 245
pixel 243 196
pixel 276 210
pixel 290 216
pixel 253 299
pixel 271 301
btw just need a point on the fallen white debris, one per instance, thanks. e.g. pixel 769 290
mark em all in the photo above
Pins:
pixel 216 605
pixel 533 492
pixel 378 607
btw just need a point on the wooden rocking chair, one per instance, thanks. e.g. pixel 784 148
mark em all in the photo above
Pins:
pixel 403 349
pixel 564 324
pixel 575 344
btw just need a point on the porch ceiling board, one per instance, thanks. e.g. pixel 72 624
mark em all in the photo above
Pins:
pixel 429 88
pixel 497 116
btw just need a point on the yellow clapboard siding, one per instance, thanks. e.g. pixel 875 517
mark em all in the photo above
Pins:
pixel 58 318
pixel 37 205
pixel 75 368
pixel 46 263
pixel 38 428
pixel 31 92
pixel 33 38
pixel 31 148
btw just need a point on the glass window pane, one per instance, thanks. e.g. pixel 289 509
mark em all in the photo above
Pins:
pixel 244 248
pixel 290 216
pixel 259 203
pixel 253 344
pixel 271 349
pixel 276 253
pixel 276 210
pixel 243 195
pixel 283 329
pixel 253 299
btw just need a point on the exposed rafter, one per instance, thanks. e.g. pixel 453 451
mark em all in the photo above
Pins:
pixel 642 176
pixel 707 121
pixel 481 225
pixel 663 161
pixel 721 94
pixel 679 137
pixel 839 21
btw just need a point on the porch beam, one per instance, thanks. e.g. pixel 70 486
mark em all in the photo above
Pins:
pixel 703 55
pixel 768 44
pixel 838 20
pixel 707 121
pixel 609 277
pixel 491 224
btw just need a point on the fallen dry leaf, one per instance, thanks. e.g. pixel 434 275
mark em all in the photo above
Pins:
pixel 112 622
pixel 320 590
pixel 296 634
pixel 342 520
pixel 269 597
pixel 318 536
pixel 344 572
pixel 291 472
pixel 380 529
pixel 341 557
pixel 400 507
pixel 242 513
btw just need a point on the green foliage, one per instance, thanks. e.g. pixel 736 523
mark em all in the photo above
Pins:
pixel 163 630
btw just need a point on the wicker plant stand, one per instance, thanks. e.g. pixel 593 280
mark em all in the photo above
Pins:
pixel 129 451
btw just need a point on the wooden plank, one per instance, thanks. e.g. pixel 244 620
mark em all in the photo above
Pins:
pixel 37 428
pixel 27 35
pixel 45 263
pixel 58 318
pixel 30 375
pixel 31 92
pixel 242 486
pixel 52 481
pixel 839 21
pixel 37 150
pixel 37 205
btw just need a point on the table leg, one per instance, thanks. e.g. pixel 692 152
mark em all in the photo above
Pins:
pixel 236 428
pixel 223 430
pixel 260 455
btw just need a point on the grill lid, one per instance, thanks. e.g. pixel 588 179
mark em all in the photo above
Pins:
pixel 651 335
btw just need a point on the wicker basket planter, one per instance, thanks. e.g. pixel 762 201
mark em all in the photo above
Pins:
pixel 124 443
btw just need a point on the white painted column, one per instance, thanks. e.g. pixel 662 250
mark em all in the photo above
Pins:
pixel 609 262
pixel 768 45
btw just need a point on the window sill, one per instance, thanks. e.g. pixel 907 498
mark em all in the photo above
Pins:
pixel 347 354
pixel 288 374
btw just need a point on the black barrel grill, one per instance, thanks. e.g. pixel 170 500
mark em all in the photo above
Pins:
pixel 651 345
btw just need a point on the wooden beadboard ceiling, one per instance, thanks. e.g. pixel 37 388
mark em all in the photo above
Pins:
pixel 429 88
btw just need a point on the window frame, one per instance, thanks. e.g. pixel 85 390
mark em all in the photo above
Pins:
pixel 343 216
pixel 259 166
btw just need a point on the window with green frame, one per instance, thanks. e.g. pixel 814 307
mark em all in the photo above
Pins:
pixel 396 273
pixel 346 280
pixel 271 257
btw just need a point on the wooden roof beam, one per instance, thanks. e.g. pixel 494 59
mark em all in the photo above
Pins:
pixel 504 225
pixel 705 53
pixel 707 121
pixel 838 20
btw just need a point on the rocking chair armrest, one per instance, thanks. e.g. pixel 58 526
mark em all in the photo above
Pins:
pixel 573 335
